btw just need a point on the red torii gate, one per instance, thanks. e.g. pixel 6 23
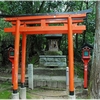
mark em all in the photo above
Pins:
pixel 41 24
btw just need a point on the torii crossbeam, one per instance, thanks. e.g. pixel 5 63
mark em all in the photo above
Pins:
pixel 64 23
pixel 41 24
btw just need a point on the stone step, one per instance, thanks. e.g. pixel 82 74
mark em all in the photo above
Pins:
pixel 49 84
pixel 47 81
pixel 50 71
pixel 45 71
pixel 49 78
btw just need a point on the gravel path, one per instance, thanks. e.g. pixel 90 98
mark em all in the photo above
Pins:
pixel 39 93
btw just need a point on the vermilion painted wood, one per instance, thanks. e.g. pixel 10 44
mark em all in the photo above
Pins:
pixel 16 55
pixel 86 60
pixel 12 61
pixel 47 21
pixel 71 55
pixel 47 29
pixel 85 76
pixel 25 18
pixel 23 58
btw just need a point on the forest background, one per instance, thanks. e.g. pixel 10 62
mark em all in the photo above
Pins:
pixel 36 44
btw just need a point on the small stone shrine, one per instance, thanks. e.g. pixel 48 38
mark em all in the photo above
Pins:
pixel 53 58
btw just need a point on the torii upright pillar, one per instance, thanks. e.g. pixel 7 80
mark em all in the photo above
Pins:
pixel 70 57
pixel 15 94
pixel 23 88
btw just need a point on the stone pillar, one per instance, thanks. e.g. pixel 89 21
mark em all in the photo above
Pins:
pixel 30 76
pixel 67 80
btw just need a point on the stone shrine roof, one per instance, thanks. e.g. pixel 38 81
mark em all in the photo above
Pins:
pixel 53 36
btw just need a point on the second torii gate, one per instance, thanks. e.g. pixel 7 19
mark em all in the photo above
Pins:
pixel 41 24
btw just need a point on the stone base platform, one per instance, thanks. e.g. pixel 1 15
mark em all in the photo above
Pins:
pixel 47 77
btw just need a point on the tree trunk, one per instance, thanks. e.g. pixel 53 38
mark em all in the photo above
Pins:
pixel 94 89
pixel 84 34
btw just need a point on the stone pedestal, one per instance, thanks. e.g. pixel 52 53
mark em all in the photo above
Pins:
pixel 72 97
pixel 22 93
pixel 52 60
pixel 67 80
pixel 15 96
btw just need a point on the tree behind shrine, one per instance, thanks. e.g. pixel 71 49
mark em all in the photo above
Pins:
pixel 94 89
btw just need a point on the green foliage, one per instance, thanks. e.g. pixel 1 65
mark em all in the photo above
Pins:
pixel 5 85
pixel 4 7
pixel 4 36
pixel 19 7
pixel 79 69
pixel 5 94
pixel 28 96
pixel 64 44
pixel 34 59
pixel 36 43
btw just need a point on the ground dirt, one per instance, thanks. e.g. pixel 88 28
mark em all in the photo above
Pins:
pixel 39 93
pixel 42 93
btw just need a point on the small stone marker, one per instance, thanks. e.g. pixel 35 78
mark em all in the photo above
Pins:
pixel 67 76
pixel 67 79
pixel 30 76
